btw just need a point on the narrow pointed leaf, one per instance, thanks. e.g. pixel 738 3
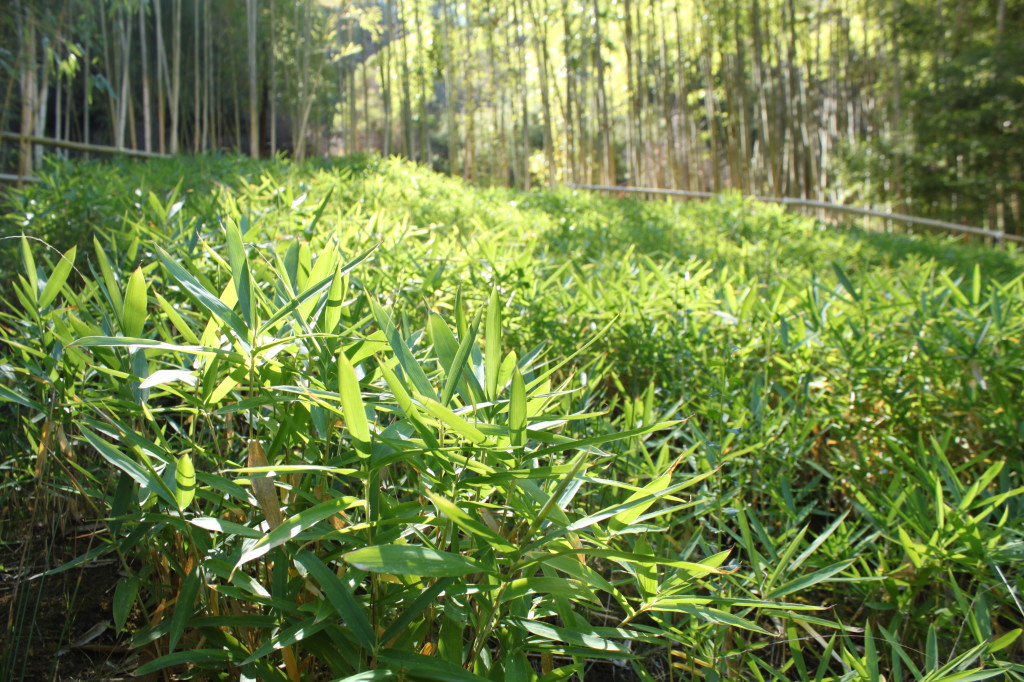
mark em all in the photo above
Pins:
pixel 133 313
pixel 517 410
pixel 340 598
pixel 184 481
pixel 352 400
pixel 292 527
pixel 58 277
pixel 411 560
pixel 205 297
pixel 492 345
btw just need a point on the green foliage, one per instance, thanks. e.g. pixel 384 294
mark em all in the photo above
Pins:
pixel 361 420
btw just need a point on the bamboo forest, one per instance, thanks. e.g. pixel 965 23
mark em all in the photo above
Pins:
pixel 526 340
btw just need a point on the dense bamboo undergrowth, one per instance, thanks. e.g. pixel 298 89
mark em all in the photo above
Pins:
pixel 359 421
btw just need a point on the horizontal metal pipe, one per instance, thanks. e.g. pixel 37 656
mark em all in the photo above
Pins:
pixel 81 146
pixel 997 235
pixel 8 177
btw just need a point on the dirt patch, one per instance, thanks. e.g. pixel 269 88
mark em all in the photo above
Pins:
pixel 58 627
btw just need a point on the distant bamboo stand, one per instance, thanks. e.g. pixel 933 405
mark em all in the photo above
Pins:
pixel 997 236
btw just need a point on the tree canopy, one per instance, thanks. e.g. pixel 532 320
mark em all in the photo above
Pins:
pixel 909 104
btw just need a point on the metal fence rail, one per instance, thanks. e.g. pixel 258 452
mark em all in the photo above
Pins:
pixel 74 146
pixel 997 236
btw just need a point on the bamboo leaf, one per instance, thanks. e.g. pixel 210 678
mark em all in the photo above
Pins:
pixel 190 657
pixel 492 345
pixel 124 598
pixel 411 560
pixel 144 478
pixel 452 420
pixel 206 298
pixel 291 527
pixel 184 481
pixel 352 400
pixel 517 413
pixel 340 598
pixel 133 314
pixel 806 581
pixel 29 263
pixel 469 524
pixel 240 274
pixel 184 607
pixel 58 277
pixel 428 667
pixel 406 361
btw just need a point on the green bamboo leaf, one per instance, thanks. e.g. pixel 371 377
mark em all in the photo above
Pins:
pixel 492 346
pixel 335 298
pixel 107 275
pixel 870 653
pixel 58 277
pixel 150 344
pixel 452 420
pixel 29 263
pixel 508 365
pixel 461 321
pixel 719 617
pixel 898 649
pixel 844 280
pixel 428 667
pixel 806 581
pixel 931 652
pixel 640 501
pixel 176 319
pixel 1004 641
pixel 184 481
pixel 517 413
pixel 240 274
pixel 340 598
pixel 144 478
pixel 292 527
pixel 216 525
pixel 469 524
pixel 579 636
pixel 167 376
pixel 426 599
pixel 352 400
pixel 295 304
pixel 968 676
pixel 406 361
pixel 563 443
pixel 378 675
pixel 566 588
pixel 444 342
pixel 457 376
pixel 206 298
pixel 16 397
pixel 184 607
pixel 133 312
pixel 287 637
pixel 411 560
pixel 399 388
pixel 124 598
pixel 190 657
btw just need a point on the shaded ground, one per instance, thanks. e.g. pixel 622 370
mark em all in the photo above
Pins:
pixel 58 627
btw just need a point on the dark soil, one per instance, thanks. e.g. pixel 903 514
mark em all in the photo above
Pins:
pixel 58 627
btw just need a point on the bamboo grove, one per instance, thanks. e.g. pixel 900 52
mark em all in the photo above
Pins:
pixel 911 105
